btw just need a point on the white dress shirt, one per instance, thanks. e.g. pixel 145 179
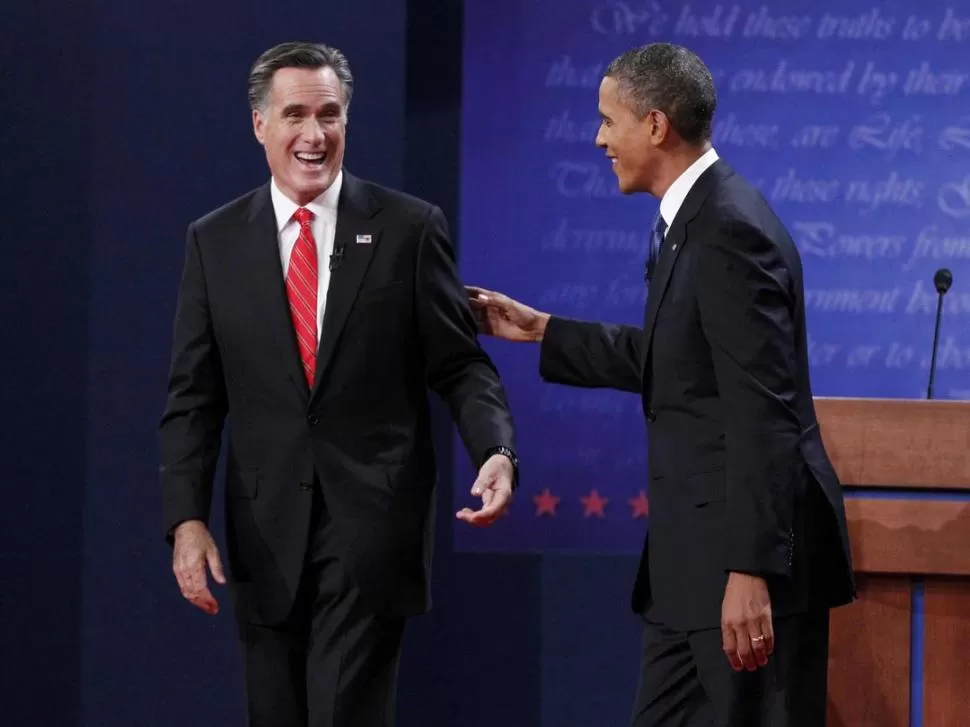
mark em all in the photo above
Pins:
pixel 324 225
pixel 678 191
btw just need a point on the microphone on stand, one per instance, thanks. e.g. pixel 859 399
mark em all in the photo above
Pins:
pixel 942 281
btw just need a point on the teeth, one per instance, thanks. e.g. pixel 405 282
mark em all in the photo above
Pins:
pixel 310 156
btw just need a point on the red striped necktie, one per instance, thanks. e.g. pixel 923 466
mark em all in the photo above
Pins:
pixel 301 289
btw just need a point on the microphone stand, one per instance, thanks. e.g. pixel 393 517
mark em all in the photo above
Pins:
pixel 936 342
pixel 942 282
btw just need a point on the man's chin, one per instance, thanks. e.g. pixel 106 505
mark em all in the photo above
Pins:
pixel 311 185
pixel 315 177
pixel 627 187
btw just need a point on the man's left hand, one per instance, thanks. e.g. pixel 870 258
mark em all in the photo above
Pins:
pixel 746 627
pixel 494 486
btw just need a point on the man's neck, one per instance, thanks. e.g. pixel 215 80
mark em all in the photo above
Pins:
pixel 677 162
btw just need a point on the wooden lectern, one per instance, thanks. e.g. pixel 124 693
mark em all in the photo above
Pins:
pixel 903 648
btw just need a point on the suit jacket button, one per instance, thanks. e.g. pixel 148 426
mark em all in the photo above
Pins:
pixel 314 419
pixel 304 485
pixel 651 415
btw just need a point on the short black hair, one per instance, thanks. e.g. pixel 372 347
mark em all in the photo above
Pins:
pixel 672 79
pixel 296 55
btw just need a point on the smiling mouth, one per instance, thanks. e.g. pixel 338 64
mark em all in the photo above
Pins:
pixel 311 159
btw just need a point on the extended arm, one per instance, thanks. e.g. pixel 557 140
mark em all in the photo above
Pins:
pixel 592 355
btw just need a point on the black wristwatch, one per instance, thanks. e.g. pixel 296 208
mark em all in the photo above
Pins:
pixel 505 451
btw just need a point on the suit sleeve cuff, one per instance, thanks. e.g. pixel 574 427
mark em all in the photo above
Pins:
pixel 506 452
pixel 554 340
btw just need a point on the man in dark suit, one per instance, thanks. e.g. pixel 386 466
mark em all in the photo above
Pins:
pixel 314 312
pixel 747 548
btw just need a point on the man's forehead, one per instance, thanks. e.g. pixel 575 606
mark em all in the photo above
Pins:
pixel 306 84
pixel 608 97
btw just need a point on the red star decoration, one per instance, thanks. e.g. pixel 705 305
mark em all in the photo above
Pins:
pixel 593 504
pixel 546 503
pixel 640 505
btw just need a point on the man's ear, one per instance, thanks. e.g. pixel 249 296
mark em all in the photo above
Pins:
pixel 658 126
pixel 259 126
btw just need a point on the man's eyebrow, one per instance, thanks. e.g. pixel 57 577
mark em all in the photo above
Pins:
pixel 299 107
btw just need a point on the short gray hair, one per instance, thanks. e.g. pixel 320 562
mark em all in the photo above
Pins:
pixel 671 79
pixel 296 55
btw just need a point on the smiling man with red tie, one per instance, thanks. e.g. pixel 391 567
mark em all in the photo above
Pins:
pixel 314 313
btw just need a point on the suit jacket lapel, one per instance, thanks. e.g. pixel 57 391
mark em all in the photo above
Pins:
pixel 673 244
pixel 669 251
pixel 261 243
pixel 355 226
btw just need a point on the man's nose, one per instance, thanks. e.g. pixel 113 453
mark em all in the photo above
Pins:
pixel 314 132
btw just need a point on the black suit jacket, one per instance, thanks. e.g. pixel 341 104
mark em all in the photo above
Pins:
pixel 739 479
pixel 396 322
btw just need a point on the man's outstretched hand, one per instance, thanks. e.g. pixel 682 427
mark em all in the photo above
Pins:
pixel 494 486
pixel 502 317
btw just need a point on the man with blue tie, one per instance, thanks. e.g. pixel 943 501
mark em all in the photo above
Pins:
pixel 747 549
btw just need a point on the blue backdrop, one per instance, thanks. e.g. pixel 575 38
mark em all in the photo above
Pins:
pixel 123 121
pixel 852 119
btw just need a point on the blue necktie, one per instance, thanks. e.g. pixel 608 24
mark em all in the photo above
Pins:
pixel 656 241
pixel 657 235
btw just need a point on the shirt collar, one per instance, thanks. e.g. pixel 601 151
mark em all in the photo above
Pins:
pixel 324 204
pixel 678 191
